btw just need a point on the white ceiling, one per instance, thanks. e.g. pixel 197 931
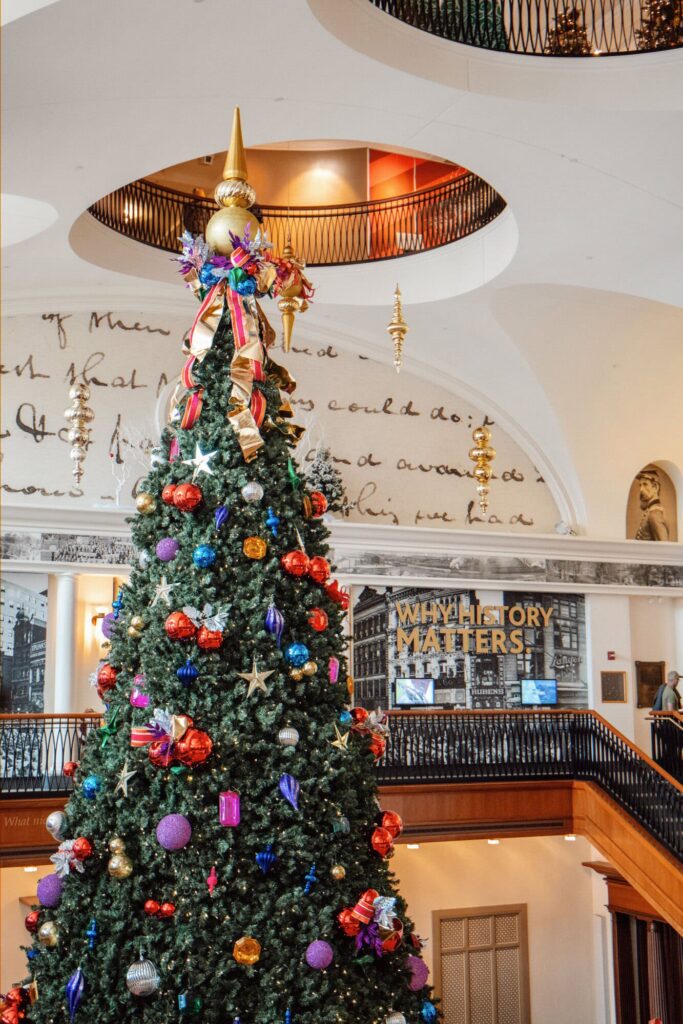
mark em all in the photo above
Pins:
pixel 578 340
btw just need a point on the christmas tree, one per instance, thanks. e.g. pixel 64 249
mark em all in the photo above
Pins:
pixel 568 36
pixel 323 476
pixel 223 856
pixel 661 25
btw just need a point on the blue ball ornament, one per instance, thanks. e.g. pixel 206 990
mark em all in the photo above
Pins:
pixel 203 556
pixel 92 784
pixel 345 718
pixel 428 1012
pixel 297 655
pixel 187 673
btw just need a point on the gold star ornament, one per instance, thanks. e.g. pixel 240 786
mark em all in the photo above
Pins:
pixel 256 679
pixel 342 740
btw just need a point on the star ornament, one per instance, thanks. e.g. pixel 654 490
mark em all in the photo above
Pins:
pixel 200 462
pixel 162 592
pixel 124 778
pixel 342 740
pixel 255 678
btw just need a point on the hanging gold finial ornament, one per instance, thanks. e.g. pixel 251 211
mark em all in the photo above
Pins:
pixel 398 328
pixel 234 196
pixel 482 455
pixel 79 415
pixel 291 299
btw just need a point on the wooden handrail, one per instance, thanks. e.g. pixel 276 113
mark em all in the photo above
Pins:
pixel 26 716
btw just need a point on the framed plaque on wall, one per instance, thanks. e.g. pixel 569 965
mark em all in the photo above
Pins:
pixel 649 677
pixel 613 687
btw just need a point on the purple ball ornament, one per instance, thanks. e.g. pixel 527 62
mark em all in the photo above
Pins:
pixel 319 955
pixel 174 832
pixel 419 973
pixel 275 623
pixel 167 549
pixel 108 624
pixel 49 890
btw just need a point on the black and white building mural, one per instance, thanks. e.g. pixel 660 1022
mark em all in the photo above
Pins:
pixel 478 646
pixel 23 599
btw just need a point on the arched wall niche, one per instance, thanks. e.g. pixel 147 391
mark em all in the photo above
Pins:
pixel 652 505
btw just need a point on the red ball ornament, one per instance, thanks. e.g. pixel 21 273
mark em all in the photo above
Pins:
pixel 159 755
pixel 82 848
pixel 319 569
pixel 295 562
pixel 359 715
pixel 318 620
pixel 193 748
pixel 382 842
pixel 152 908
pixel 348 923
pixel 31 921
pixel 393 823
pixel 70 768
pixel 106 679
pixel 209 639
pixel 186 497
pixel 318 504
pixel 180 626
pixel 17 996
pixel 10 1015
pixel 377 745
pixel 167 910
pixel 391 940
pixel 168 493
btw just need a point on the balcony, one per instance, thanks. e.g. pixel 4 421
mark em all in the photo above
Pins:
pixel 324 236
pixel 551 28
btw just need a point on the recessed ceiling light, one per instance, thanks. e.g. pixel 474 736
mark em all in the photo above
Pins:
pixel 413 846
pixel 493 842
pixel 30 870
pixel 570 839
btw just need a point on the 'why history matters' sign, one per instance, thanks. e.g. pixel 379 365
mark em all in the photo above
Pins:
pixel 481 648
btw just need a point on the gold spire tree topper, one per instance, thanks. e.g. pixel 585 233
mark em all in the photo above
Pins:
pixel 482 455
pixel 398 328
pixel 234 195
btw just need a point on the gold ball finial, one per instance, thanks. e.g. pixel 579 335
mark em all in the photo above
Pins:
pixel 482 455
pixel 398 328
pixel 234 195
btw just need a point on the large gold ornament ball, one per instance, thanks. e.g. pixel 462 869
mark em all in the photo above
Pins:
pixel 120 866
pixel 134 633
pixel 137 622
pixel 255 547
pixel 481 436
pixel 145 503
pixel 225 220
pixel 116 845
pixel 338 872
pixel 310 668
pixel 247 950
pixel 48 934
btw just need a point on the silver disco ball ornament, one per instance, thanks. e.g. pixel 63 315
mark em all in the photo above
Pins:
pixel 395 1018
pixel 144 558
pixel 56 824
pixel 252 492
pixel 142 978
pixel 288 737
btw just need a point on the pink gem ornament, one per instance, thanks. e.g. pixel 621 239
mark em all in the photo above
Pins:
pixel 334 670
pixel 212 880
pixel 229 808
pixel 138 698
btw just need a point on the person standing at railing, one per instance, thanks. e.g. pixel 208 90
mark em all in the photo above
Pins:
pixel 671 700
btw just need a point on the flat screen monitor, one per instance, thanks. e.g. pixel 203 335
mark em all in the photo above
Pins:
pixel 414 692
pixel 539 691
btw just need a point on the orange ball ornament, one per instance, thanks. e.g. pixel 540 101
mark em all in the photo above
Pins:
pixel 180 626
pixel 319 569
pixel 209 639
pixel 247 950
pixel 187 497
pixel 393 823
pixel 193 748
pixel 318 620
pixel 255 547
pixel 295 562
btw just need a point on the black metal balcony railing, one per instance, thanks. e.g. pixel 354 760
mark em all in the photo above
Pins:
pixel 433 747
pixel 35 748
pixel 549 28
pixel 666 728
pixel 321 235
pixel 499 746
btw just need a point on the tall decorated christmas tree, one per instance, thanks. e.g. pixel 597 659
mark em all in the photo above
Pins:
pixel 223 856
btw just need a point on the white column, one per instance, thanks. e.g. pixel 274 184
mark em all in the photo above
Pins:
pixel 65 659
